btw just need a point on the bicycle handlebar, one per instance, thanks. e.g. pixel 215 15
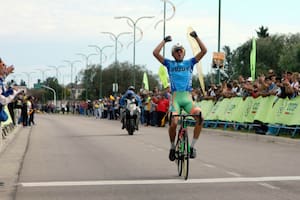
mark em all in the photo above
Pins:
pixel 187 115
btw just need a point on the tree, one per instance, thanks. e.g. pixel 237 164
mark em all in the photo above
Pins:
pixel 290 57
pixel 53 83
pixel 228 61
pixel 278 52
pixel 90 79
pixel 262 32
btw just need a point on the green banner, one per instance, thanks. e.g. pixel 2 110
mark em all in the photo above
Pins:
pixel 270 110
pixel 224 108
pixel 206 107
pixel 234 110
pixel 145 81
pixel 253 59
pixel 290 112
pixel 264 110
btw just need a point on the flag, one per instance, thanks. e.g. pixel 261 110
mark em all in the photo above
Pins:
pixel 253 59
pixel 163 75
pixel 196 49
pixel 145 81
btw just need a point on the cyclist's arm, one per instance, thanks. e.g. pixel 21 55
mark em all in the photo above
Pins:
pixel 157 50
pixel 203 49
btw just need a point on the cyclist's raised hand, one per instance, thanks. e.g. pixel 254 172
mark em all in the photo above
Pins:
pixel 168 38
pixel 193 34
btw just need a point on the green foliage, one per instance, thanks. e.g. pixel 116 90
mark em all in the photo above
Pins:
pixel 278 52
pixel 52 82
pixel 122 73
pixel 262 32
pixel 290 58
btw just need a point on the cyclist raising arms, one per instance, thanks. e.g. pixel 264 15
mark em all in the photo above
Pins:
pixel 180 74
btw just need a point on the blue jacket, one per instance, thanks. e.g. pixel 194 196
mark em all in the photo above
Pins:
pixel 129 94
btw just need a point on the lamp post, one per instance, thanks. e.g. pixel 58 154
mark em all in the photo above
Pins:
pixel 100 51
pixel 54 95
pixel 43 73
pixel 28 74
pixel 116 37
pixel 71 63
pixel 56 68
pixel 86 57
pixel 134 22
pixel 219 37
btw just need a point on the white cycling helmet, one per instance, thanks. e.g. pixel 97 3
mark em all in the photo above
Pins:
pixel 177 47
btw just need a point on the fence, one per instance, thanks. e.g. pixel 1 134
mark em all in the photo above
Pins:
pixel 6 127
pixel 279 114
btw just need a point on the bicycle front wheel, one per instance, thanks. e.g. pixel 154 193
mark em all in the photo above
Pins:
pixel 186 156
pixel 178 157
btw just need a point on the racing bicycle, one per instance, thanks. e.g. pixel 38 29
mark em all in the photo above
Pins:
pixel 182 148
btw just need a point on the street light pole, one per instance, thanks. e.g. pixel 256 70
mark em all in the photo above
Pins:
pixel 43 73
pixel 71 63
pixel 56 68
pixel 134 33
pixel 219 37
pixel 116 37
pixel 86 57
pixel 28 77
pixel 54 94
pixel 100 51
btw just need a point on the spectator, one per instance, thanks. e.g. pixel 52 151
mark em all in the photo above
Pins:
pixel 162 108
pixel 295 83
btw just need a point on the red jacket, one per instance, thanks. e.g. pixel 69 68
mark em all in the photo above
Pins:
pixel 162 105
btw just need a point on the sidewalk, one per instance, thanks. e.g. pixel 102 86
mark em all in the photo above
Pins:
pixel 4 142
pixel 252 136
pixel 11 157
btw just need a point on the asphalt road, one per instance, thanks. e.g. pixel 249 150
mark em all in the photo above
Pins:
pixel 71 157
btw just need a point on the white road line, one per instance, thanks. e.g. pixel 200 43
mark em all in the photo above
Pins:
pixel 160 181
pixel 234 174
pixel 209 166
pixel 267 185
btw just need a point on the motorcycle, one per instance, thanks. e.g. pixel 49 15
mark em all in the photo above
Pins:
pixel 131 115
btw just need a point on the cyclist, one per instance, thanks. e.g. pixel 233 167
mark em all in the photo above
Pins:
pixel 129 94
pixel 180 74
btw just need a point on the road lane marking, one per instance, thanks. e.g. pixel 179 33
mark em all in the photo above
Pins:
pixel 160 181
pixel 233 174
pixel 267 185
pixel 209 166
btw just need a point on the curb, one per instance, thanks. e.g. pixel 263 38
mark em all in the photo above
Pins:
pixel 8 138
pixel 253 136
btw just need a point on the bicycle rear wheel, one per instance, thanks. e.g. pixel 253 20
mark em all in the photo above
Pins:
pixel 185 156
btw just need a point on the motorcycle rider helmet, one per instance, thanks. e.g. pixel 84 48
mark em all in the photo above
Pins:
pixel 131 88
pixel 130 94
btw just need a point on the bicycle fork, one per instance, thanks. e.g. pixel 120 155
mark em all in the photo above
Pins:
pixel 182 144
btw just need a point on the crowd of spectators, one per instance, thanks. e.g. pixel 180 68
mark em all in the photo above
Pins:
pixel 155 103
pixel 283 86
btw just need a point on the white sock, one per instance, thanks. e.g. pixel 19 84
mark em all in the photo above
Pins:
pixel 172 145
pixel 193 142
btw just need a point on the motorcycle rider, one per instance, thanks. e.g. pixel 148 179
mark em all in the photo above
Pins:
pixel 129 94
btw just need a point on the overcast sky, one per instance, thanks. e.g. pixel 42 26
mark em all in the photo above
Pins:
pixel 36 34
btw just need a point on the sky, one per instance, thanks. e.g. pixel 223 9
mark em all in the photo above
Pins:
pixel 36 34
